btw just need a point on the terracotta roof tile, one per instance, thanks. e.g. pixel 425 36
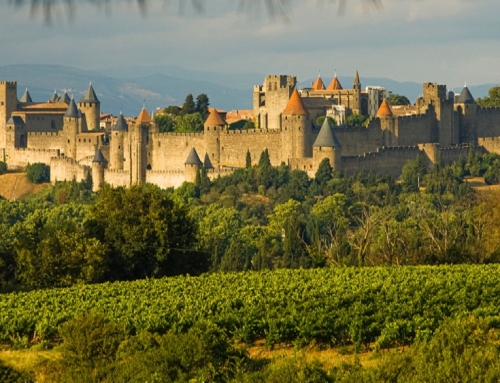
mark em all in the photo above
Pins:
pixel 143 117
pixel 295 105
pixel 335 84
pixel 214 119
pixel 384 110
pixel 318 84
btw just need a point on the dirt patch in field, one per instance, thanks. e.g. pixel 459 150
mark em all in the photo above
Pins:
pixel 16 185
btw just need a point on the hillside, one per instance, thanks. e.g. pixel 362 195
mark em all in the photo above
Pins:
pixel 16 185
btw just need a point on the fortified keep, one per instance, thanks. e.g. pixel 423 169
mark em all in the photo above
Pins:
pixel 65 134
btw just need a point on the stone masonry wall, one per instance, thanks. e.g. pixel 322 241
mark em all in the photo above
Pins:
pixel 20 158
pixel 67 169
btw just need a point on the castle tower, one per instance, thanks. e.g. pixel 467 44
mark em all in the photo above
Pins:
pixel 26 97
pixel 466 107
pixel 213 127
pixel 356 96
pixel 192 166
pixel 271 98
pixel 64 98
pixel 8 104
pixel 296 129
pixel 54 97
pixel 327 146
pixel 139 139
pixel 119 137
pixel 335 84
pixel 387 124
pixel 15 133
pixel 318 84
pixel 71 127
pixel 91 109
pixel 98 166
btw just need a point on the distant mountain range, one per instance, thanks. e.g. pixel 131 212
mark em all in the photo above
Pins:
pixel 129 88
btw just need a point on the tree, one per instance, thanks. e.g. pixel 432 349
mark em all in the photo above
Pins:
pixel 397 99
pixel 3 167
pixel 189 123
pixel 172 110
pixel 321 119
pixel 202 104
pixel 412 174
pixel 38 173
pixel 492 100
pixel 53 248
pixel 356 120
pixel 248 160
pixel 147 234
pixel 324 173
pixel 165 122
pixel 189 106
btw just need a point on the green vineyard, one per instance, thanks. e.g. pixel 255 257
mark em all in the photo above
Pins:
pixel 335 306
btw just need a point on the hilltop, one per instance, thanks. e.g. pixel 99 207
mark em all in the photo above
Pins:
pixel 127 89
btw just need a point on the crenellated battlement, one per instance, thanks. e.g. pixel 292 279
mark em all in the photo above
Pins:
pixel 43 134
pixel 165 172
pixel 252 131
pixel 9 84
pixel 37 150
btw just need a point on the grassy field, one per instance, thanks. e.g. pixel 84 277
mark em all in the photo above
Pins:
pixel 16 185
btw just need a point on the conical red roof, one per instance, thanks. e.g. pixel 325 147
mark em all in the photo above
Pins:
pixel 214 119
pixel 335 84
pixel 318 84
pixel 143 117
pixel 384 110
pixel 295 105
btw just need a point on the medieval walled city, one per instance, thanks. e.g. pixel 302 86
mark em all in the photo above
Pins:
pixel 67 135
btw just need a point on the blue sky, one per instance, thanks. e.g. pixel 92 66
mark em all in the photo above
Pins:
pixel 444 41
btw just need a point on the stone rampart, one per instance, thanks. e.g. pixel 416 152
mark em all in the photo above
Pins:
pixel 169 151
pixel 490 144
pixel 45 140
pixel 67 169
pixel 236 143
pixel 165 179
pixel 359 140
pixel 117 177
pixel 385 160
pixel 19 158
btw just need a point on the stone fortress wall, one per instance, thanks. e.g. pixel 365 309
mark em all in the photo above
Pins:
pixel 59 135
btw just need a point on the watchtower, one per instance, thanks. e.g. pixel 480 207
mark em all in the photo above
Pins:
pixel 8 104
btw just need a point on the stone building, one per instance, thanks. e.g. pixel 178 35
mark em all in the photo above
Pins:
pixel 65 135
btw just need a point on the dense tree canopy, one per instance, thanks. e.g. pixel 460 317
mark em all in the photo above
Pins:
pixel 397 99
pixel 492 100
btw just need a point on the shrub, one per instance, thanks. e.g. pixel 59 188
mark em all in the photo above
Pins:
pixel 3 167
pixel 38 173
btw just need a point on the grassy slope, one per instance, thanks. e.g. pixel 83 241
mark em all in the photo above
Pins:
pixel 16 185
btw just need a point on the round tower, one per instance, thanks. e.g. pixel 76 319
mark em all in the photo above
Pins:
pixel 296 129
pixel 328 146
pixel 71 127
pixel 213 127
pixel 98 166
pixel 91 109
pixel 387 124
pixel 117 143
pixel 192 166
